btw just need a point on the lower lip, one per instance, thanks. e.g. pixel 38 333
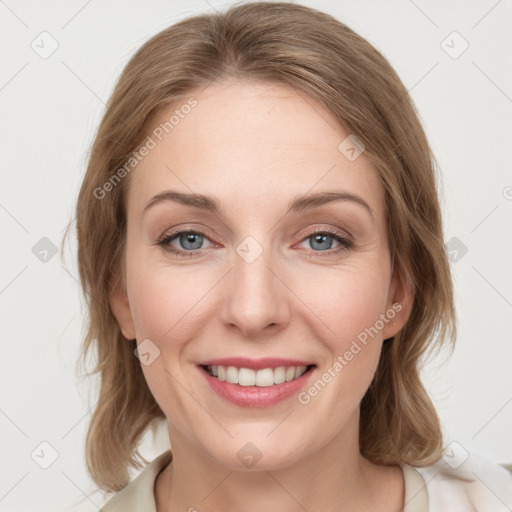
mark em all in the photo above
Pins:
pixel 255 396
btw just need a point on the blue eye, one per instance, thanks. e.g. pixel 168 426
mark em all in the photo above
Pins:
pixel 322 241
pixel 190 242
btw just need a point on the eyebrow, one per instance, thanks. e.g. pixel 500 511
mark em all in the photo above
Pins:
pixel 297 204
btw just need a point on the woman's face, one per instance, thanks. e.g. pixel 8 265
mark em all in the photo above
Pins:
pixel 276 272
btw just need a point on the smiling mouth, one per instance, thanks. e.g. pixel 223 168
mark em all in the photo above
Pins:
pixel 266 377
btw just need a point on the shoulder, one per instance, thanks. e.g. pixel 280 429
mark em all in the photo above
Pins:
pixel 139 495
pixel 463 480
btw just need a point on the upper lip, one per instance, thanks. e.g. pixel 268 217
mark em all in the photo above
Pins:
pixel 254 364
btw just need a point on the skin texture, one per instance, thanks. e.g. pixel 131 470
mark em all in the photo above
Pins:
pixel 255 146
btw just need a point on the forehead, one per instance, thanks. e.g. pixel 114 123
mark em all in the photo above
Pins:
pixel 245 141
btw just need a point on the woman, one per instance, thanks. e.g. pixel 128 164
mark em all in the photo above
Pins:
pixel 261 247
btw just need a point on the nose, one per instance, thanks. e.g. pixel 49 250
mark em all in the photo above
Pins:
pixel 254 299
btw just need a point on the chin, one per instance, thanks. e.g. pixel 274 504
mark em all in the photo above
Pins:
pixel 255 453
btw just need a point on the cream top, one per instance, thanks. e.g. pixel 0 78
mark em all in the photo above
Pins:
pixel 477 485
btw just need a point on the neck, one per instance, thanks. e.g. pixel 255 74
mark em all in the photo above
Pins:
pixel 333 478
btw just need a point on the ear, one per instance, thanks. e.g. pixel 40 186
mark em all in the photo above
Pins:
pixel 400 302
pixel 120 306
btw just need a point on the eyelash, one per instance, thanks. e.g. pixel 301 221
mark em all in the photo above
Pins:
pixel 165 241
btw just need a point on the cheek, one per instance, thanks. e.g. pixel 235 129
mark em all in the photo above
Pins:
pixel 345 303
pixel 163 299
pixel 348 304
pixel 147 304
pixel 167 309
pixel 155 307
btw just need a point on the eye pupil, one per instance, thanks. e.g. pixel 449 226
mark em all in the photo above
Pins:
pixel 191 238
pixel 319 238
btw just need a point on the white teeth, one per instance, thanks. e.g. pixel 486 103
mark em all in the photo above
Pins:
pixel 279 375
pixel 265 377
pixel 231 374
pixel 246 377
pixel 261 378
pixel 299 371
pixel 290 374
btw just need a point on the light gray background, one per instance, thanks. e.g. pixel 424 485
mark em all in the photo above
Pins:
pixel 50 109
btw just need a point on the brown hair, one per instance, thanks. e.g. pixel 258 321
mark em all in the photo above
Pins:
pixel 320 58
